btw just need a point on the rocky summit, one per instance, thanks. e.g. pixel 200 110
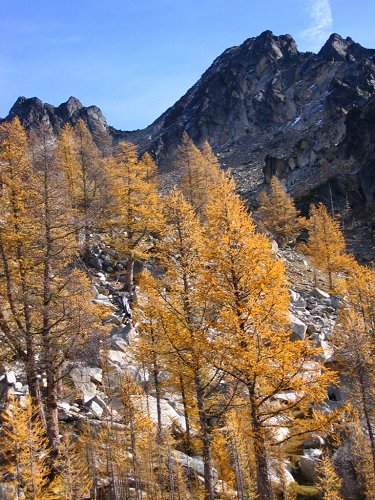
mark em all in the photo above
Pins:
pixel 32 112
pixel 266 109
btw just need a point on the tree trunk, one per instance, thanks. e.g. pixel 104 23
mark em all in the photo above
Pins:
pixel 366 415
pixel 186 415
pixel 51 396
pixel 238 474
pixel 30 369
pixel 263 480
pixel 49 349
pixel 155 373
pixel 206 439
pixel 330 279
pixel 129 279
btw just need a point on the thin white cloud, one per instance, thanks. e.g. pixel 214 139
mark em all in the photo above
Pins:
pixel 321 22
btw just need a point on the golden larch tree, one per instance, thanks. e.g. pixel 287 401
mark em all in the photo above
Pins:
pixel 329 482
pixel 354 349
pixel 198 171
pixel 326 243
pixel 250 341
pixel 24 445
pixel 86 173
pixel 134 211
pixel 182 310
pixel 18 241
pixel 278 213
pixel 46 313
pixel 63 316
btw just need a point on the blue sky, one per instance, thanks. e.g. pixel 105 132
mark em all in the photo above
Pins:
pixel 134 59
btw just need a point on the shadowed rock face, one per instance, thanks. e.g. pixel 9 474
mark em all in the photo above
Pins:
pixel 32 112
pixel 264 97
pixel 264 107
pixel 359 145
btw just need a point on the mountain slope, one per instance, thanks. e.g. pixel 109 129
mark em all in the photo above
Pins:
pixel 262 105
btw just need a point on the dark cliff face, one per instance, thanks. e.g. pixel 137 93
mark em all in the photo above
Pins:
pixel 264 97
pixel 265 108
pixel 359 147
pixel 335 151
pixel 32 112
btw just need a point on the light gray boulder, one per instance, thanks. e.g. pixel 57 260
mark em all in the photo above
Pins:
pixel 308 463
pixel 64 405
pixel 103 300
pixel 114 319
pixel 320 294
pixel 11 377
pixel 327 350
pixel 298 327
pixel 169 416
pixel 86 379
pixel 97 406
pixel 193 463
pixel 280 473
pixel 314 441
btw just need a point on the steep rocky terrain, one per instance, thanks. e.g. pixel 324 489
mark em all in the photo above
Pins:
pixel 266 109
pixel 33 112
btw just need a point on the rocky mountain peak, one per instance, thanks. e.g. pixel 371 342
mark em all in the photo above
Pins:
pixel 70 107
pixel 337 48
pixel 269 45
pixel 32 112
pixel 27 110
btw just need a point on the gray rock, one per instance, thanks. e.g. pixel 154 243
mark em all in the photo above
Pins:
pixel 95 250
pixel 336 301
pixel 297 326
pixel 327 350
pixel 64 405
pixel 169 416
pixel 119 344
pixel 294 296
pixel 114 319
pixel 104 301
pixel 18 386
pixel 95 408
pixel 312 328
pixel 280 473
pixel 86 379
pixel 193 463
pixel 118 358
pixel 320 294
pixel 123 332
pixel 10 377
pixel 95 262
pixel 308 463
pixel 326 302
pixel 314 441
